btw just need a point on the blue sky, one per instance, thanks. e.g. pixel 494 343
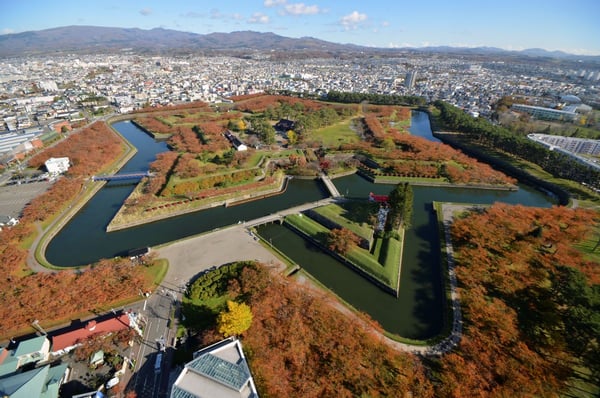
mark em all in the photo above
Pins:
pixel 569 25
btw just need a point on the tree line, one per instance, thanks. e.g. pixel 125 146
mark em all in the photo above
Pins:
pixel 372 98
pixel 484 133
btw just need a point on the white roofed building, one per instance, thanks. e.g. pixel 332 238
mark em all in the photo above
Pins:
pixel 57 165
pixel 219 370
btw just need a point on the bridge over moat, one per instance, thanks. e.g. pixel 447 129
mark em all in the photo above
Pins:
pixel 122 177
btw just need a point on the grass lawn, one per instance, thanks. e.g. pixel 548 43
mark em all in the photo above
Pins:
pixel 336 134
pixel 155 273
pixel 308 226
pixel 343 217
pixel 586 246
pixel 365 261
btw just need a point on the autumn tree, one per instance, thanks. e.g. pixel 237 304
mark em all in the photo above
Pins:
pixel 341 240
pixel 292 137
pixel 303 345
pixel 235 320
pixel 530 301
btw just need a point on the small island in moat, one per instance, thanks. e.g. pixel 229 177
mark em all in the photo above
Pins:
pixel 242 151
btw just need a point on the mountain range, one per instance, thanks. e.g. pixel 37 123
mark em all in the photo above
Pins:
pixel 93 39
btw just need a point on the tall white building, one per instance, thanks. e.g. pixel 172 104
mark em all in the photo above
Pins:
pixel 409 81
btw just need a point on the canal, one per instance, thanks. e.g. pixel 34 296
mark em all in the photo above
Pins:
pixel 417 313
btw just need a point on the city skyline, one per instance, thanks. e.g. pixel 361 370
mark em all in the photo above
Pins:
pixel 509 25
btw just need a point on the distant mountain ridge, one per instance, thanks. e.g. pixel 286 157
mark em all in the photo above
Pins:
pixel 91 39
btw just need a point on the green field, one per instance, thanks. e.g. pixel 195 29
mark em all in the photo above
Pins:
pixel 347 218
pixel 334 135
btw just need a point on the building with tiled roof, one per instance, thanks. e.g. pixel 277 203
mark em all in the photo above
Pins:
pixel 69 340
pixel 42 382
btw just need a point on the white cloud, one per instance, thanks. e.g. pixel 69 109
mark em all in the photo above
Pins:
pixel 7 31
pixel 300 9
pixel 146 11
pixel 259 18
pixel 193 14
pixel 237 17
pixel 274 3
pixel 385 23
pixel 353 20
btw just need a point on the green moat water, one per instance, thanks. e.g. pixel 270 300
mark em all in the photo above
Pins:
pixel 417 313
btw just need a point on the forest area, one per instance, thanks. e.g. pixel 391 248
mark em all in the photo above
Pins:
pixel 300 344
pixel 484 133
pixel 58 295
pixel 531 303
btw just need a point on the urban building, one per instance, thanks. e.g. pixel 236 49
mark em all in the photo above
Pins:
pixel 219 370
pixel 546 113
pixel 57 165
pixel 409 81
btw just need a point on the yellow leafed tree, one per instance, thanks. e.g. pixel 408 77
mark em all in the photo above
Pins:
pixel 235 320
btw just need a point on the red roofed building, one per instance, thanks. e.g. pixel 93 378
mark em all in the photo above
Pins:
pixel 378 198
pixel 69 340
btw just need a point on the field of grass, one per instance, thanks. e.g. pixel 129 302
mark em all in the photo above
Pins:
pixel 587 246
pixel 335 135
pixel 389 256
pixel 342 217
pixel 308 226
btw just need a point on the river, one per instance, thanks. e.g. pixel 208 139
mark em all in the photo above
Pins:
pixel 417 313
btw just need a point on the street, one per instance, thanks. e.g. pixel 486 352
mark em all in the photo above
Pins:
pixel 151 375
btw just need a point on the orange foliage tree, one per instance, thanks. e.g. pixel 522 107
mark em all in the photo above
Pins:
pixel 300 344
pixel 51 296
pixel 518 339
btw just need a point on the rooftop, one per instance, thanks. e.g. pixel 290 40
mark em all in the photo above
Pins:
pixel 219 370
pixel 71 338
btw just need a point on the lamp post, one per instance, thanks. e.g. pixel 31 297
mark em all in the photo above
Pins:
pixel 37 325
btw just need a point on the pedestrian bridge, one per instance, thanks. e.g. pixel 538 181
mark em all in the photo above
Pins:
pixel 122 177
pixel 330 187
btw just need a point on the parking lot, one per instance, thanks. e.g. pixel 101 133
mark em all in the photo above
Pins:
pixel 13 198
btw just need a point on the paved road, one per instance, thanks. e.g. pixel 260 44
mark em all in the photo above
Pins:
pixel 148 379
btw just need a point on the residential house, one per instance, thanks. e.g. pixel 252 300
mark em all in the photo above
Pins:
pixel 42 381
pixel 66 342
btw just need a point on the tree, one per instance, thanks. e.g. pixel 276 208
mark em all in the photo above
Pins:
pixel 341 240
pixel 292 137
pixel 401 203
pixel 265 131
pixel 235 320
